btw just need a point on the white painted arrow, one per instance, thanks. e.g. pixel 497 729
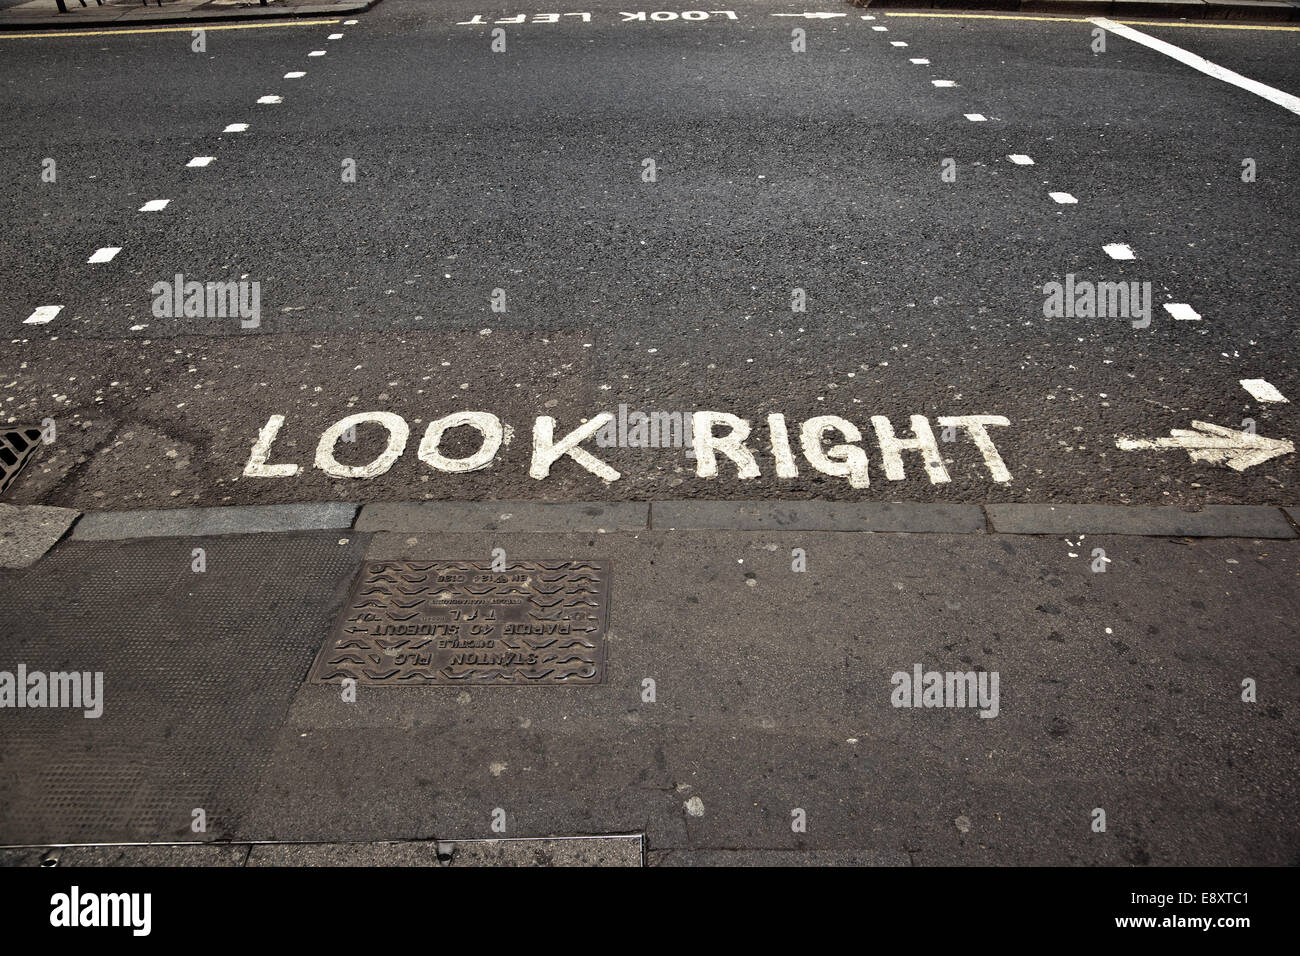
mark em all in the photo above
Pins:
pixel 1215 444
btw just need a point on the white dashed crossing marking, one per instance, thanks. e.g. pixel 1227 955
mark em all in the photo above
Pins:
pixel 1118 250
pixel 1284 100
pixel 316 53
pixel 977 117
pixel 1261 391
pixel 880 29
pixel 1020 159
pixel 270 99
pixel 104 255
pixel 348 23
pixel 295 75
pixel 897 43
pixel 1064 198
pixel 198 161
pixel 43 314
pixel 155 205
pixel 944 82
pixel 921 62
pixel 236 128
pixel 1182 312
pixel 335 36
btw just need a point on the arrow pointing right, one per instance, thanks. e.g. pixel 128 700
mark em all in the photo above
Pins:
pixel 1215 444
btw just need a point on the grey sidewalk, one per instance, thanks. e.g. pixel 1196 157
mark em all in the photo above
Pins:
pixel 45 14
pixel 1120 690
pixel 1254 10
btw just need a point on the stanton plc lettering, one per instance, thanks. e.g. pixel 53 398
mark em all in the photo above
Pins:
pixel 714 434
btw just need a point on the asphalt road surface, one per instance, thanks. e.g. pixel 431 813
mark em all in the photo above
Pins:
pixel 413 182
pixel 855 248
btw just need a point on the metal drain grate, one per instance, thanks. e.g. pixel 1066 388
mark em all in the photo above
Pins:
pixel 460 622
pixel 17 446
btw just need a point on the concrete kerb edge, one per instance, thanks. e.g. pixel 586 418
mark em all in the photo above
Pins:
pixel 1219 521
pixel 303 11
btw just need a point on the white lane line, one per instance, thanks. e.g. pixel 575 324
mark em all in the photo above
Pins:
pixel 921 62
pixel 43 314
pixel 881 29
pixel 1182 312
pixel 944 82
pixel 348 23
pixel 977 117
pixel 236 128
pixel 316 53
pixel 295 74
pixel 335 36
pixel 1064 198
pixel 897 43
pixel 1261 391
pixel 198 161
pixel 155 205
pixel 1284 100
pixel 1020 159
pixel 104 255
pixel 270 99
pixel 1118 250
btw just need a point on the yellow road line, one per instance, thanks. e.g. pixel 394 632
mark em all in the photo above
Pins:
pixel 1132 23
pixel 187 29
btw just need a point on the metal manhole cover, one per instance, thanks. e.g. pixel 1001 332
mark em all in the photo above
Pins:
pixel 17 446
pixel 460 622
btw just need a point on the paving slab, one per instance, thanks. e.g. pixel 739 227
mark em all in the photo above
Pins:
pixel 45 14
pixel 195 664
pixel 586 851
pixel 224 854
pixel 771 693
pixel 28 531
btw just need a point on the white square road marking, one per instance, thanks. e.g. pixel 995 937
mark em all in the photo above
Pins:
pixel 1065 198
pixel 236 128
pixel 43 314
pixel 977 117
pixel 199 161
pixel 104 255
pixel 155 205
pixel 1020 159
pixel 1261 391
pixel 1182 312
pixel 270 99
pixel 1118 250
